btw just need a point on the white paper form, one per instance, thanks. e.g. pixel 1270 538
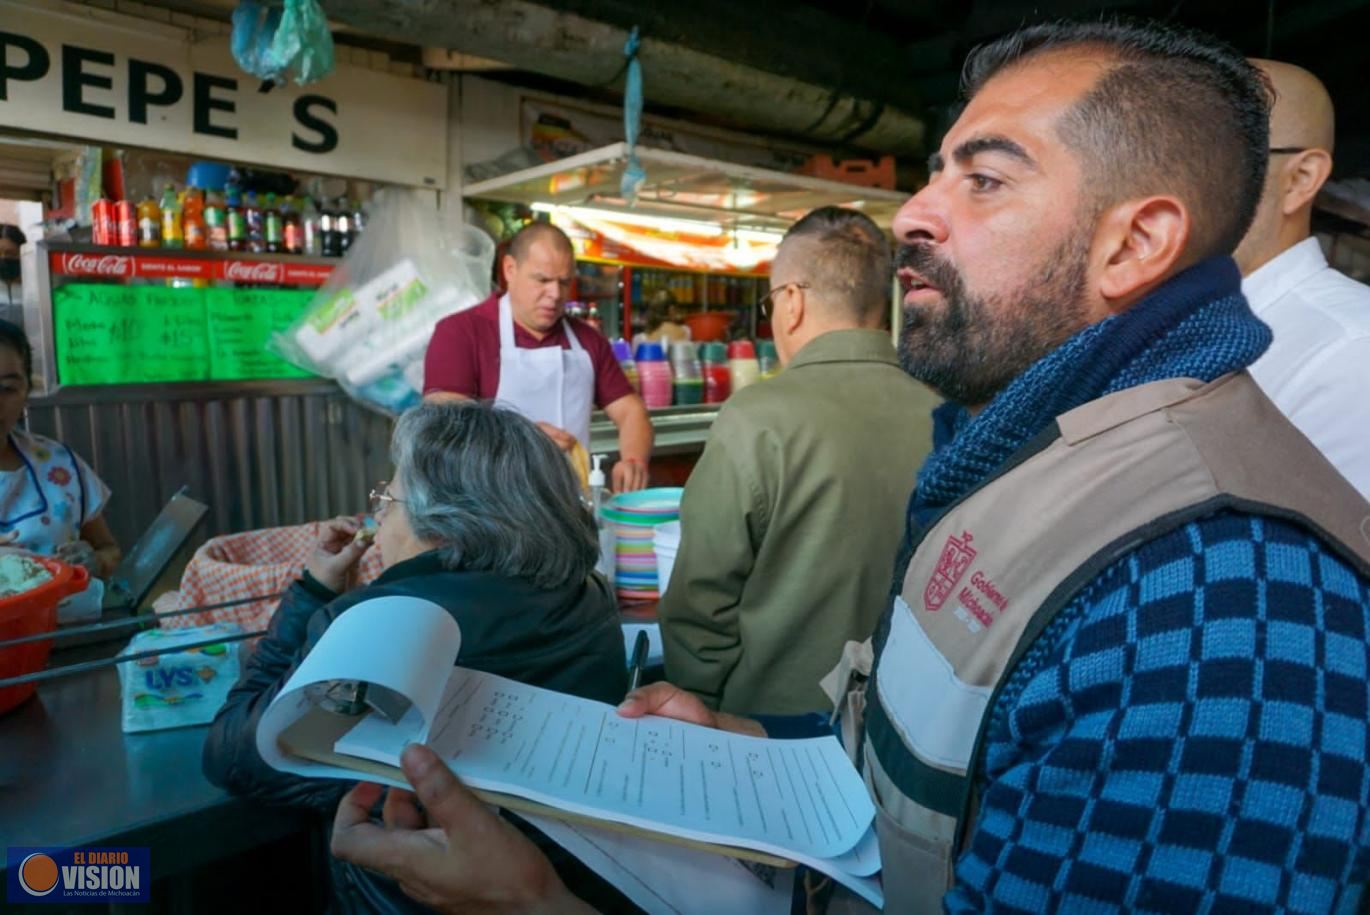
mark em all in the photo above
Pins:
pixel 787 797
pixel 665 879
pixel 661 877
pixel 420 645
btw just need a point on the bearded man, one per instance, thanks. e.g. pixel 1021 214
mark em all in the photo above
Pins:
pixel 1123 667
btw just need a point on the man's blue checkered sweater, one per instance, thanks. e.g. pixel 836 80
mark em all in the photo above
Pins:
pixel 1190 734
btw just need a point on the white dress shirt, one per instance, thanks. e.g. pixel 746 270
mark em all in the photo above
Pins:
pixel 1318 369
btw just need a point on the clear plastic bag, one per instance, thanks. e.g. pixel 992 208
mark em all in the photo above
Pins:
pixel 369 326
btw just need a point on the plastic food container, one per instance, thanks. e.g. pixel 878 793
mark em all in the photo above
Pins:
pixel 31 613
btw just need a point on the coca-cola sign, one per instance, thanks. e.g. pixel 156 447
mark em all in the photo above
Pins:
pixel 254 271
pixel 117 265
pixel 159 266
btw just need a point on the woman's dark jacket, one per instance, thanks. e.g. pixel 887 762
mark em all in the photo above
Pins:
pixel 568 639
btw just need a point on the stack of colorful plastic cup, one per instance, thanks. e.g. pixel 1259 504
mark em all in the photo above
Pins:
pixel 767 359
pixel 742 365
pixel 718 383
pixel 686 375
pixel 623 352
pixel 654 374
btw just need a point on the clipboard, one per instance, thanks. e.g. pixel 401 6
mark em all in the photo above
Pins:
pixel 313 735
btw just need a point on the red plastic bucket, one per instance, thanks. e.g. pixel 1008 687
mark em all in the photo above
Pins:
pixel 31 613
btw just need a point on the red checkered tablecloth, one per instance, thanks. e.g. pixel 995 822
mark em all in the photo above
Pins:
pixel 252 563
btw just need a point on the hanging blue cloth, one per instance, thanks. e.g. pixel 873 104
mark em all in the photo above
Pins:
pixel 633 173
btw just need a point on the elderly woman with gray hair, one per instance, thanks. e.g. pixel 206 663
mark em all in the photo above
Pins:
pixel 484 518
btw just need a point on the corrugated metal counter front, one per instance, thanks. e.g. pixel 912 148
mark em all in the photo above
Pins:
pixel 261 454
pixel 70 776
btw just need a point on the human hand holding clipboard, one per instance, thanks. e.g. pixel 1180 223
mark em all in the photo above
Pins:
pixel 452 853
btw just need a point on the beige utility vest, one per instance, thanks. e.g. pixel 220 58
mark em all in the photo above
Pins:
pixel 991 572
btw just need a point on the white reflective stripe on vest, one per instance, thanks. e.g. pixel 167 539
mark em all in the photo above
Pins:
pixel 1125 468
pixel 939 725
pixel 548 384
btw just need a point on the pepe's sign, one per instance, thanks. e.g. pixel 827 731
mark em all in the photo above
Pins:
pixel 110 79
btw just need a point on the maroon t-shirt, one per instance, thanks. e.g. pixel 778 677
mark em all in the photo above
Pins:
pixel 463 356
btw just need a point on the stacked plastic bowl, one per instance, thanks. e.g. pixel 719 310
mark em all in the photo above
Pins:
pixel 635 516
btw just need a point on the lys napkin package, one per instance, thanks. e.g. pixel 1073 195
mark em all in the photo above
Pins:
pixel 180 686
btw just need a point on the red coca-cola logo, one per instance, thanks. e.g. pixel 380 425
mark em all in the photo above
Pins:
pixel 97 264
pixel 250 272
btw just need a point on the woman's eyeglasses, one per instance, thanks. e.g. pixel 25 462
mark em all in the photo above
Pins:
pixel 380 497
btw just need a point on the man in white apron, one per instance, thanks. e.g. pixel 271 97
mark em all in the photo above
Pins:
pixel 520 349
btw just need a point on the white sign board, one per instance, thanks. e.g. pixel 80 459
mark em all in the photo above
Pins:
pixel 109 79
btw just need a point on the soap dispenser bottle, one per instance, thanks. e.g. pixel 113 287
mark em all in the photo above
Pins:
pixel 607 539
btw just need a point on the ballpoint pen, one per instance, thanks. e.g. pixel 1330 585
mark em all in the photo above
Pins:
pixel 639 659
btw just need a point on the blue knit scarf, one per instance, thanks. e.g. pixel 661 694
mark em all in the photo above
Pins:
pixel 1197 325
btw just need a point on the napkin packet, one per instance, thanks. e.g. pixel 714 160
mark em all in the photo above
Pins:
pixel 181 685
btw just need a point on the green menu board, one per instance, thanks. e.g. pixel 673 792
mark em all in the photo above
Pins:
pixel 139 334
pixel 241 321
pixel 169 335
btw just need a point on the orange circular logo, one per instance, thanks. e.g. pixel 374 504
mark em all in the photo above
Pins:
pixel 38 874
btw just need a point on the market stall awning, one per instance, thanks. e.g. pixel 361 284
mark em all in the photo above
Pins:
pixel 684 187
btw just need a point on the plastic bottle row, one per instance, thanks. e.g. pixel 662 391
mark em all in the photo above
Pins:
pixel 695 288
pixel 229 221
pixel 694 374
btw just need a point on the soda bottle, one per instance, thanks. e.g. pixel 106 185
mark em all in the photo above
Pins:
pixel 235 221
pixel 328 232
pixel 313 236
pixel 126 224
pixel 173 233
pixel 103 230
pixel 256 224
pixel 342 225
pixel 149 224
pixel 294 230
pixel 193 219
pixel 275 226
pixel 358 221
pixel 216 221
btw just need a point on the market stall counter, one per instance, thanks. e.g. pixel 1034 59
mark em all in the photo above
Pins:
pixel 70 777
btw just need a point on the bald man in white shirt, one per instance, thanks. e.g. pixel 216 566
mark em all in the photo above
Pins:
pixel 1318 369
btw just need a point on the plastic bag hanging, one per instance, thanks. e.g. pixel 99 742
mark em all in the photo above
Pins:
pixel 304 40
pixel 254 27
pixel 633 173
pixel 275 44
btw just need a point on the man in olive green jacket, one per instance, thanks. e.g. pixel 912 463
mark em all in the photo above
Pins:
pixel 793 514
